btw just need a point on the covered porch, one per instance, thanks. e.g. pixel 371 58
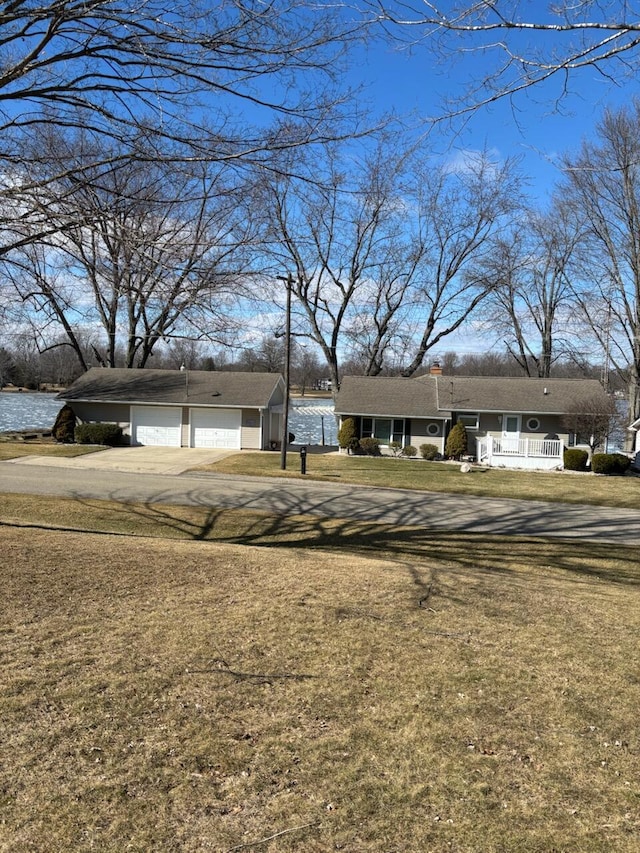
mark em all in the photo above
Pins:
pixel 528 453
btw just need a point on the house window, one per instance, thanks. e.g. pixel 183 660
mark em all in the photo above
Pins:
pixel 533 424
pixel 470 420
pixel 385 430
pixel 433 429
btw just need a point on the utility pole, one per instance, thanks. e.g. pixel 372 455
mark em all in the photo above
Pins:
pixel 287 368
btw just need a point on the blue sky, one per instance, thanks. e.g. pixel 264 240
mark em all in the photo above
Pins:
pixel 529 127
pixel 533 127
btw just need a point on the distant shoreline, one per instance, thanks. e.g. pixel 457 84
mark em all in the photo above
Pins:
pixel 21 389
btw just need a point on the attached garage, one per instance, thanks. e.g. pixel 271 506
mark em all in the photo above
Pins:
pixel 158 426
pixel 219 428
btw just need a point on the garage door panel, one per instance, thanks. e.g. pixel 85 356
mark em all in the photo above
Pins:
pixel 156 426
pixel 216 428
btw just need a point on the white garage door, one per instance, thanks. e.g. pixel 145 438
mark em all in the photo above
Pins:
pixel 155 425
pixel 216 428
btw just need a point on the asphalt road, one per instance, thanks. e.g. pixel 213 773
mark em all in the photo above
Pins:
pixel 428 510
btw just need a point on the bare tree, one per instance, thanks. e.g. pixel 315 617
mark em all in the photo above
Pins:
pixel 382 253
pixel 462 210
pixel 529 307
pixel 137 255
pixel 340 230
pixel 591 420
pixel 172 82
pixel 170 69
pixel 520 46
pixel 603 185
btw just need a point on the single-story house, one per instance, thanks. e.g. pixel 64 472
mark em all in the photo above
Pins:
pixel 635 443
pixel 183 408
pixel 512 422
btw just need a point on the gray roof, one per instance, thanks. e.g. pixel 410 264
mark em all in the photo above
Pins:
pixel 437 396
pixel 387 396
pixel 514 394
pixel 176 387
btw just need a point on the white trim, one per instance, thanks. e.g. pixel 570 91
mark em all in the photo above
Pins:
pixel 476 414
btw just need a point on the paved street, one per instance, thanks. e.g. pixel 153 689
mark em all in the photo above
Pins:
pixel 430 511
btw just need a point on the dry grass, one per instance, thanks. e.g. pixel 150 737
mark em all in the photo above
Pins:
pixel 451 694
pixel 42 447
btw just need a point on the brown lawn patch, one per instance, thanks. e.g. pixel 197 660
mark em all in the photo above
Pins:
pixel 175 695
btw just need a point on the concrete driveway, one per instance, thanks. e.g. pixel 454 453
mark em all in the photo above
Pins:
pixel 136 460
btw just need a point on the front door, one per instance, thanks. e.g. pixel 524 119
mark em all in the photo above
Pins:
pixel 510 433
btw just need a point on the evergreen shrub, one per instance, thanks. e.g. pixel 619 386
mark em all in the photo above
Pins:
pixel 610 463
pixel 64 426
pixel 409 450
pixel 575 459
pixel 347 435
pixel 370 446
pixel 456 445
pixel 107 434
pixel 429 451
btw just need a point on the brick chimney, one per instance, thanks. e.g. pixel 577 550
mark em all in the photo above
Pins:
pixel 435 369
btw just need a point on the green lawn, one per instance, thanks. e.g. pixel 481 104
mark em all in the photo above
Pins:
pixel 189 679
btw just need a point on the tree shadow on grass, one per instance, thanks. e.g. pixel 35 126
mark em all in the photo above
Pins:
pixel 470 550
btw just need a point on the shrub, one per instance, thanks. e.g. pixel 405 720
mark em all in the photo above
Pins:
pixel 63 428
pixel 409 451
pixel 456 445
pixel 370 446
pixel 609 463
pixel 395 447
pixel 575 459
pixel 107 434
pixel 429 451
pixel 347 435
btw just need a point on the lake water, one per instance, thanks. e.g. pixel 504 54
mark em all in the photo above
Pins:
pixel 27 410
pixel 308 417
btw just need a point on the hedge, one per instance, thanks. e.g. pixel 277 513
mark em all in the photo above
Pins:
pixel 107 434
pixel 429 451
pixel 575 459
pixel 370 446
pixel 610 463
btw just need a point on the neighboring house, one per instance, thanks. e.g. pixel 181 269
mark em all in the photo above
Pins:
pixel 183 408
pixel 635 447
pixel 511 422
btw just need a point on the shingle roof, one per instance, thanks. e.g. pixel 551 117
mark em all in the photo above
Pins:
pixel 514 394
pixel 188 387
pixel 387 396
pixel 438 396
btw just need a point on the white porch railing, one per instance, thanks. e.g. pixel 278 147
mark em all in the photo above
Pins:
pixel 520 452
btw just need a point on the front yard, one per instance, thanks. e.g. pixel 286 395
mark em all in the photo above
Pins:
pixel 299 684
